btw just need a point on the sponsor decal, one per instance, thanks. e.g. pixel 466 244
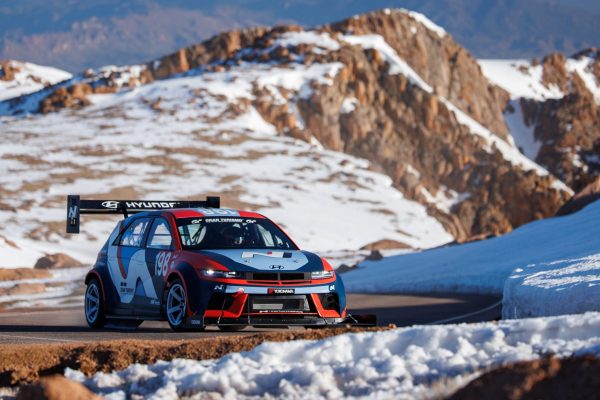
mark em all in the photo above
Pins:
pixel 331 288
pixel 276 266
pixel 126 291
pixel 273 254
pixel 232 220
pixel 161 265
pixel 73 212
pixel 114 204
pixel 110 204
pixel 218 211
pixel 280 291
pixel 196 322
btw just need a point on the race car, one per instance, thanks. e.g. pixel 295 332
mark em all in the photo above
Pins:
pixel 195 264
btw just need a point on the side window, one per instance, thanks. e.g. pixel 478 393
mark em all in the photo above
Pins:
pixel 160 235
pixel 134 234
pixel 266 236
pixel 271 239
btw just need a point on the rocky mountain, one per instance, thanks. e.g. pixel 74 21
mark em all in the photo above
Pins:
pixel 389 87
pixel 554 111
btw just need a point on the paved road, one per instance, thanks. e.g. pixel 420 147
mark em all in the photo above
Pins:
pixel 68 324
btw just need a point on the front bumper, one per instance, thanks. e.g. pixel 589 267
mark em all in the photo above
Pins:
pixel 271 321
pixel 238 304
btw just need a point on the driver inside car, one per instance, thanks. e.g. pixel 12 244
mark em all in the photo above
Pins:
pixel 233 235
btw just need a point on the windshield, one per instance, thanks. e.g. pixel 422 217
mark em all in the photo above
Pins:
pixel 231 233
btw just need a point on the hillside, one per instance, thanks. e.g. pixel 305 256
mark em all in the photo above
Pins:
pixel 389 87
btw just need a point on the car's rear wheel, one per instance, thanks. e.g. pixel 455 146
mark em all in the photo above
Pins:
pixel 94 305
pixel 176 305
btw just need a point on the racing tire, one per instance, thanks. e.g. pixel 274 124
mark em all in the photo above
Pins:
pixel 231 328
pixel 175 305
pixel 94 305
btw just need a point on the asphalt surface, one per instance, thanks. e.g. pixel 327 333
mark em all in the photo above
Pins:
pixel 68 324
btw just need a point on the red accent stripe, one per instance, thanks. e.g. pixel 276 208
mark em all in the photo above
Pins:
pixel 185 213
pixel 249 214
pixel 120 262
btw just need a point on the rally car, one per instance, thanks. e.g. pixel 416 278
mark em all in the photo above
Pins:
pixel 196 264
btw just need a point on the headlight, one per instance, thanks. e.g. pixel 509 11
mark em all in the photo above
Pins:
pixel 211 273
pixel 322 274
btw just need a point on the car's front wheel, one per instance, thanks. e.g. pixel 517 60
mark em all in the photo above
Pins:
pixel 176 305
pixel 94 305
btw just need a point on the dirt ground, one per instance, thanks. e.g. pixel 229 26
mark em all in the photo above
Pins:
pixel 548 378
pixel 20 364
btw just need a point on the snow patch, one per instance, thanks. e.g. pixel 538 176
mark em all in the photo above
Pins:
pixel 426 22
pixel 519 78
pixel 348 105
pixel 29 79
pixel 522 133
pixel 523 80
pixel 322 40
pixel 416 362
pixel 444 198
pixel 583 66
pixel 397 64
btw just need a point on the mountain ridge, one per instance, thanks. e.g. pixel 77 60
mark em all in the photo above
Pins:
pixel 406 117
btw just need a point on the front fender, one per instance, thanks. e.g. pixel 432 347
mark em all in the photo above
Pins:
pixel 198 290
pixel 341 292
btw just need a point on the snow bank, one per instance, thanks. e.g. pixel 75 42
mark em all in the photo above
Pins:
pixel 402 363
pixel 560 287
pixel 555 264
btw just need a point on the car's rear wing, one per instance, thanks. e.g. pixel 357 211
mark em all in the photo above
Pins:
pixel 76 206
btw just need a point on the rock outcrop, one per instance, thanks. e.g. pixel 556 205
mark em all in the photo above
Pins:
pixel 57 261
pixel 568 127
pixel 587 195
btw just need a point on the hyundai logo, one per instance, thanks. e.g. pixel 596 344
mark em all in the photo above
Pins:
pixel 110 204
pixel 276 266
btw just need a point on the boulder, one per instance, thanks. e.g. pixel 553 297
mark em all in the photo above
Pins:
pixel 588 195
pixel 385 244
pixel 55 387
pixel 57 261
